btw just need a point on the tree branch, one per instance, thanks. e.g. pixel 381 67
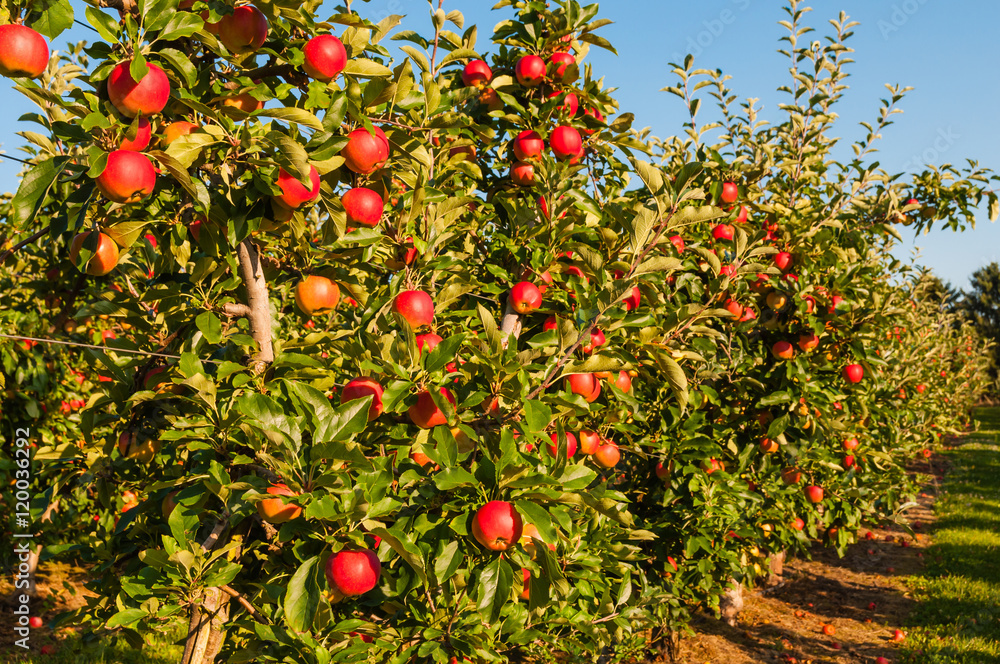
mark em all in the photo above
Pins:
pixel 258 303
pixel 17 247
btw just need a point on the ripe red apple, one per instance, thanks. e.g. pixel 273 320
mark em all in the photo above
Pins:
pixel 662 471
pixel 633 301
pixel 854 373
pixel 565 142
pixel 597 339
pixel 525 590
pixel 353 572
pixel 783 260
pixel 678 243
pixel 723 232
pixel 768 446
pixel 834 302
pixel 735 308
pixel 243 31
pixel 571 103
pixel 623 381
pixel 23 52
pixel 363 207
pixel 808 341
pixel 416 308
pixel 316 295
pixel 366 152
pixel 814 494
pixel 128 177
pixel 848 460
pixel 476 74
pixel 525 297
pixel 589 441
pixel 244 102
pixel 920 388
pixel 361 387
pixel 742 215
pixel 48 648
pixel 584 384
pixel 530 71
pixel 147 96
pixel 428 341
pixel 34 622
pixel 104 258
pixel 143 134
pixel 497 525
pixel 571 445
pixel 783 350
pixel 551 323
pixel 425 413
pixel 798 524
pixel 597 115
pixel 325 57
pixel 562 61
pixel 898 635
pixel 850 444
pixel 791 475
pixel 730 192
pixel 274 510
pixel 175 130
pixel 608 455
pixel 294 194
pixel 522 173
pixel 881 660
pixel 528 145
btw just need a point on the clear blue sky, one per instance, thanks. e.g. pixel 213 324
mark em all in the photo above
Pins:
pixel 947 51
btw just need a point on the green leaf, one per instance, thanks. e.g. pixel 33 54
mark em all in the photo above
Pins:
pixel 210 326
pixel 34 186
pixel 302 595
pixel 537 415
pixel 51 17
pixel 107 27
pixel 126 617
pixel 137 67
pixel 180 63
pixel 365 68
pixel 658 264
pixel 452 478
pixel 348 419
pixel 447 562
pixel 292 114
pixel 675 377
pixel 181 24
pixel 494 588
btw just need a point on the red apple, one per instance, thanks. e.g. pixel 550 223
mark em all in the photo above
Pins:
pixel 428 341
pixel 808 341
pixel 565 142
pixel 425 413
pixel 361 387
pixel 730 192
pixel 798 524
pixel 525 592
pixel 571 103
pixel 274 510
pixel 103 260
pixel 678 243
pixel 316 295
pixel 23 52
pixel 768 446
pixel 735 308
pixel 528 145
pixel 525 297
pixel 571 445
pixel 854 373
pixel 850 444
pixel 783 350
pixel 522 173
pixel 624 381
pixel 476 74
pixel 814 494
pixel 607 455
pixel 147 96
pixel 898 635
pixel 325 57
pixel 363 207
pixel 562 62
pixel 243 31
pixel 584 384
pixel 723 232
pixel 353 572
pixel 175 130
pixel 551 323
pixel 128 177
pixel 848 460
pixel 497 525
pixel 294 194
pixel 589 441
pixel 633 301
pixel 34 622
pixel 366 152
pixel 143 134
pixel 530 71
pixel 791 475
pixel 416 308
pixel 783 260
pixel 920 388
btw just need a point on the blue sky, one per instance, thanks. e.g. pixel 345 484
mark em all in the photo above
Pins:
pixel 948 54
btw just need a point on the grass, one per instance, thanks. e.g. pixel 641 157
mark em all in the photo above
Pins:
pixel 159 649
pixel 957 617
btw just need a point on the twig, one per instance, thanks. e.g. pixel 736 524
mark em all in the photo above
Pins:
pixel 246 604
pixel 20 245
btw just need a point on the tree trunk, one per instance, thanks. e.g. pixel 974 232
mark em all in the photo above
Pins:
pixel 511 324
pixel 259 304
pixel 205 628
pixel 776 567
pixel 731 603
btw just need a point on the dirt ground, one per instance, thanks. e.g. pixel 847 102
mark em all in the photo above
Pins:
pixel 60 588
pixel 785 623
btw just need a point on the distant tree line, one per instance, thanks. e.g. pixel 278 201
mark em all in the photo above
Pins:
pixel 979 304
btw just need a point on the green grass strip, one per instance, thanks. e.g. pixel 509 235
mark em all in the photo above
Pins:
pixel 957 616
